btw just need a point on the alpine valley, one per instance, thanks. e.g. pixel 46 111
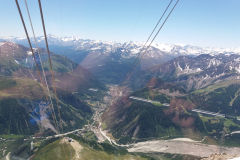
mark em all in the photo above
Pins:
pixel 111 101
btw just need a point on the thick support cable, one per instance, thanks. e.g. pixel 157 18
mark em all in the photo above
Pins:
pixel 49 58
pixel 45 34
pixel 51 68
pixel 44 74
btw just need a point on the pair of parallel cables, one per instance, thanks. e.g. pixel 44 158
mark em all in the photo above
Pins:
pixel 35 60
pixel 151 38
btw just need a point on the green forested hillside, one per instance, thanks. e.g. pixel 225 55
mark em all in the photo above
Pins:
pixel 223 97
pixel 131 120
pixel 19 104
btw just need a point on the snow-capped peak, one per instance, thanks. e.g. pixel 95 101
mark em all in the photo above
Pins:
pixel 132 48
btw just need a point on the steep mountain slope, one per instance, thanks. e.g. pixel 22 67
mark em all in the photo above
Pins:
pixel 222 97
pixel 135 117
pixel 25 106
pixel 24 109
pixel 206 82
pixel 16 60
pixel 197 72
pixel 11 54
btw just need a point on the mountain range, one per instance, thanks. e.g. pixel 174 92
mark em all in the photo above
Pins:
pixel 110 62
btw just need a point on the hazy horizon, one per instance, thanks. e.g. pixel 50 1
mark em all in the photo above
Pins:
pixel 200 23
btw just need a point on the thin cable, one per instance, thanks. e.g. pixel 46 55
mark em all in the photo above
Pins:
pixel 44 74
pixel 142 52
pixel 158 23
pixel 49 57
pixel 160 19
pixel 161 26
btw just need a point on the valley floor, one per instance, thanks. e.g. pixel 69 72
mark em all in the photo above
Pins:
pixel 183 146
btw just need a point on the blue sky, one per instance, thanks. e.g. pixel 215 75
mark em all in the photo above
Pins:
pixel 214 23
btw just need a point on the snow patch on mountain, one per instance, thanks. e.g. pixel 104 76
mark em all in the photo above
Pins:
pixel 237 60
pixel 214 62
pixel 16 61
pixel 237 69
pixel 187 70
pixel 163 47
